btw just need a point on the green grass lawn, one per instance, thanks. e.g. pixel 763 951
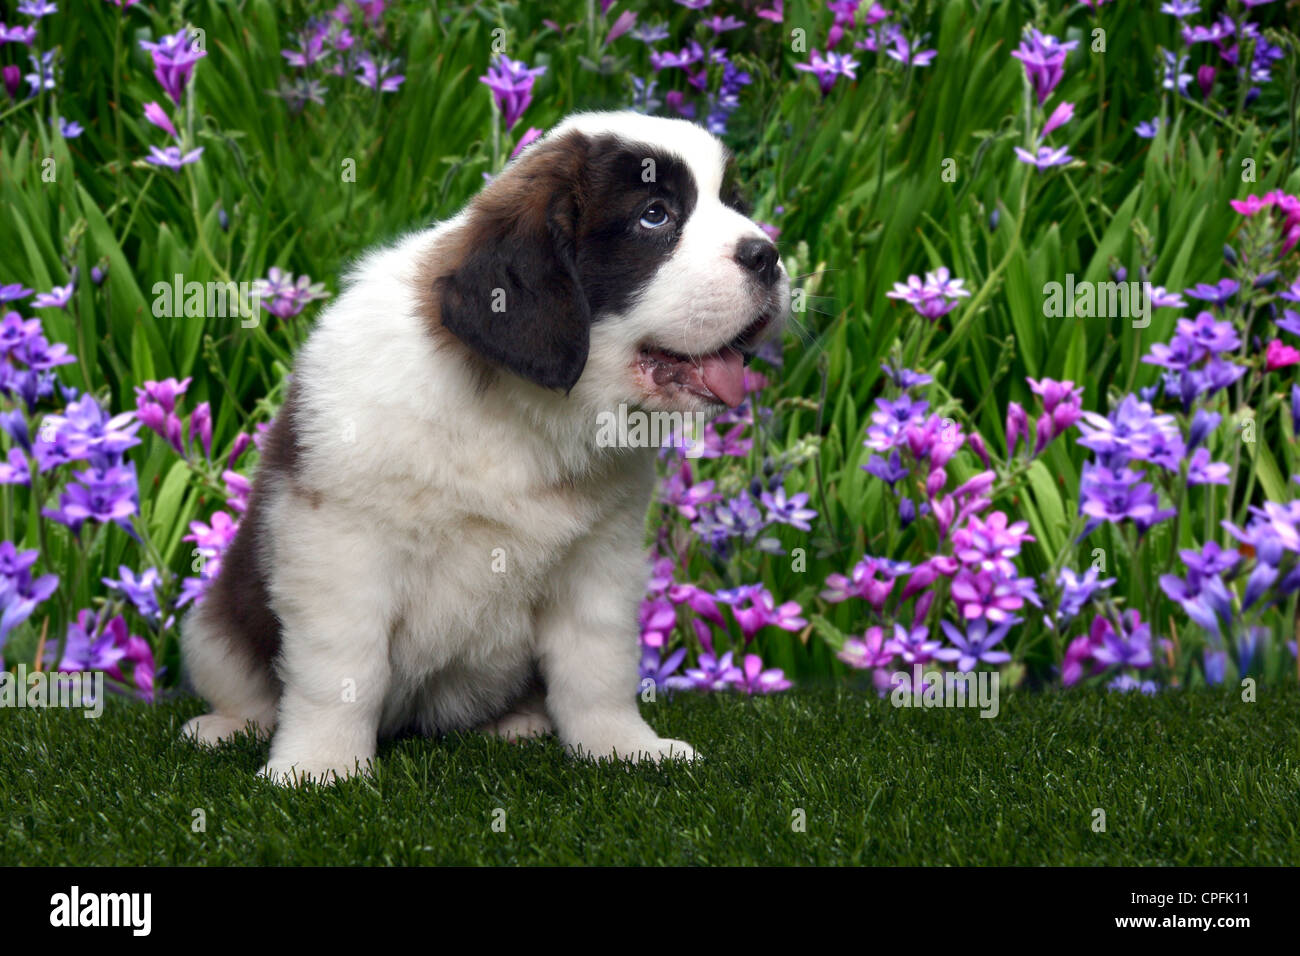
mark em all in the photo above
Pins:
pixel 1197 778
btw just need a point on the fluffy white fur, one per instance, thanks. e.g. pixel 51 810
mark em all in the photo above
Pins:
pixel 460 536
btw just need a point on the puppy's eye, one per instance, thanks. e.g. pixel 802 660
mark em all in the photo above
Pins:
pixel 656 215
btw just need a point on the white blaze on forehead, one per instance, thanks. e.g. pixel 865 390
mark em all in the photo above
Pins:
pixel 693 145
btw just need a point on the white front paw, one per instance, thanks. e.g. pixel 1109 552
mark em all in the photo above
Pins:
pixel 652 749
pixel 665 748
pixel 284 773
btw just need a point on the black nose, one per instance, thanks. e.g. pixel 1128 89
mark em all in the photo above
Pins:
pixel 759 257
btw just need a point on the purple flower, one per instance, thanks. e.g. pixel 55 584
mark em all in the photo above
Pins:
pixel 990 544
pixel 42 75
pixel 1128 647
pixel 678 491
pixel 1127 682
pixel 20 593
pixel 1077 591
pixel 24 35
pixel 1290 321
pixel 1215 664
pixel 1133 431
pixel 1148 128
pixel 1116 495
pixel 174 57
pixel 1217 294
pixel 689 55
pixel 1205 599
pixel 1060 116
pixel 1046 157
pixel 914 646
pixel 201 428
pixel 37 8
pixel 698 600
pixel 976 644
pixel 755 609
pixel 1062 408
pixel 1190 384
pixel 790 511
pixel 1212 34
pixel 68 129
pixel 93 645
pixel 212 539
pixel 1211 560
pixel 901 49
pixel 17 333
pixel 284 296
pixel 720 24
pixel 891 471
pixel 86 432
pixel 511 83
pixel 1273 529
pixel 56 298
pixel 11 292
pixel 651 33
pixel 862 583
pixel 171 157
pixel 934 297
pixel 657 622
pixel 738 517
pixel 906 378
pixel 987 594
pixel 870 651
pixel 713 673
pixel 1043 57
pixel 1201 471
pixel 12 76
pixel 155 114
pixel 309 52
pixel 1203 424
pixel 163 394
pixel 1174 77
pixel 664 672
pixel 15 470
pixel 140 590
pixel 890 420
pixel 755 680
pixel 108 495
pixel 1161 298
pixel 1180 8
pixel 375 75
pixel 828 67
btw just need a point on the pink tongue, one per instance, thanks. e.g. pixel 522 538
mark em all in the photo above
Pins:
pixel 724 375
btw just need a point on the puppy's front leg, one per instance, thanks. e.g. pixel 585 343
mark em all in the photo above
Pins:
pixel 589 649
pixel 334 657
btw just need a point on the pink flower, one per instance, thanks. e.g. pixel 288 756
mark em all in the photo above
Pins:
pixel 756 680
pixel 625 22
pixel 529 137
pixel 1060 116
pixel 1251 204
pixel 155 114
pixel 1280 356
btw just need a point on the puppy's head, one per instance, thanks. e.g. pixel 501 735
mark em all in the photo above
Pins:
pixel 613 258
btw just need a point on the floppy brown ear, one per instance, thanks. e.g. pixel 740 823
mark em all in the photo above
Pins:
pixel 515 298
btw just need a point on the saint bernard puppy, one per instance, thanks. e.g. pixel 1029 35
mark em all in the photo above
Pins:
pixel 435 540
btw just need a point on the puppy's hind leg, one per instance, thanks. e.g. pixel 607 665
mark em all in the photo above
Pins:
pixel 241 690
pixel 526 718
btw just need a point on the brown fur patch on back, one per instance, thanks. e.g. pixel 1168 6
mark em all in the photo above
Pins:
pixel 238 602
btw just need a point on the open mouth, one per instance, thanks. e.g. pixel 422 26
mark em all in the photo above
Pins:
pixel 717 376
